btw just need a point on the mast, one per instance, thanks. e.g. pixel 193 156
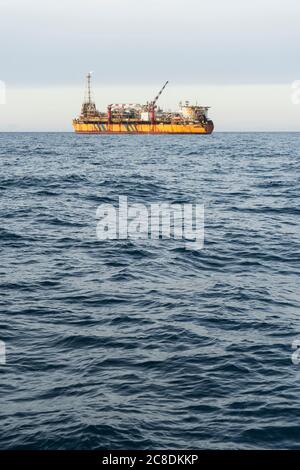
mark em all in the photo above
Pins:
pixel 88 106
pixel 88 92
pixel 89 87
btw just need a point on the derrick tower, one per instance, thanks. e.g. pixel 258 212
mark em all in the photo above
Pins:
pixel 88 108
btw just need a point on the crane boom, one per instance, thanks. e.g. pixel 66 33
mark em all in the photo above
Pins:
pixel 158 94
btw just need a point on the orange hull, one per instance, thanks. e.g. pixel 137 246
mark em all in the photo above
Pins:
pixel 100 127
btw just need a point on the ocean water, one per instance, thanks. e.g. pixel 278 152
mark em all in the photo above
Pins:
pixel 143 344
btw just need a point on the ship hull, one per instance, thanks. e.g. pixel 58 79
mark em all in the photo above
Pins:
pixel 81 127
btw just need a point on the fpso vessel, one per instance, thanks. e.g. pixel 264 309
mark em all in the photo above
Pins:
pixel 141 119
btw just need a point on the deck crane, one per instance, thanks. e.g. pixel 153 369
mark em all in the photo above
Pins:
pixel 153 103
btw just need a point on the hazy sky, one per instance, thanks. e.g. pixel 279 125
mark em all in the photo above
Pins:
pixel 238 56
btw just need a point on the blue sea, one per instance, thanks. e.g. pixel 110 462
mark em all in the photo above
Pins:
pixel 143 344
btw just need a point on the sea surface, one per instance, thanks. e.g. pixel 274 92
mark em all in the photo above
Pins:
pixel 143 344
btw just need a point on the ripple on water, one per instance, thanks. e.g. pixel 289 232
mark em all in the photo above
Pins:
pixel 144 344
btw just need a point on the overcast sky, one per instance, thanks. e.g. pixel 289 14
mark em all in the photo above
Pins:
pixel 206 49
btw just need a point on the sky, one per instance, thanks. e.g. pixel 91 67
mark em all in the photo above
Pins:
pixel 239 57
